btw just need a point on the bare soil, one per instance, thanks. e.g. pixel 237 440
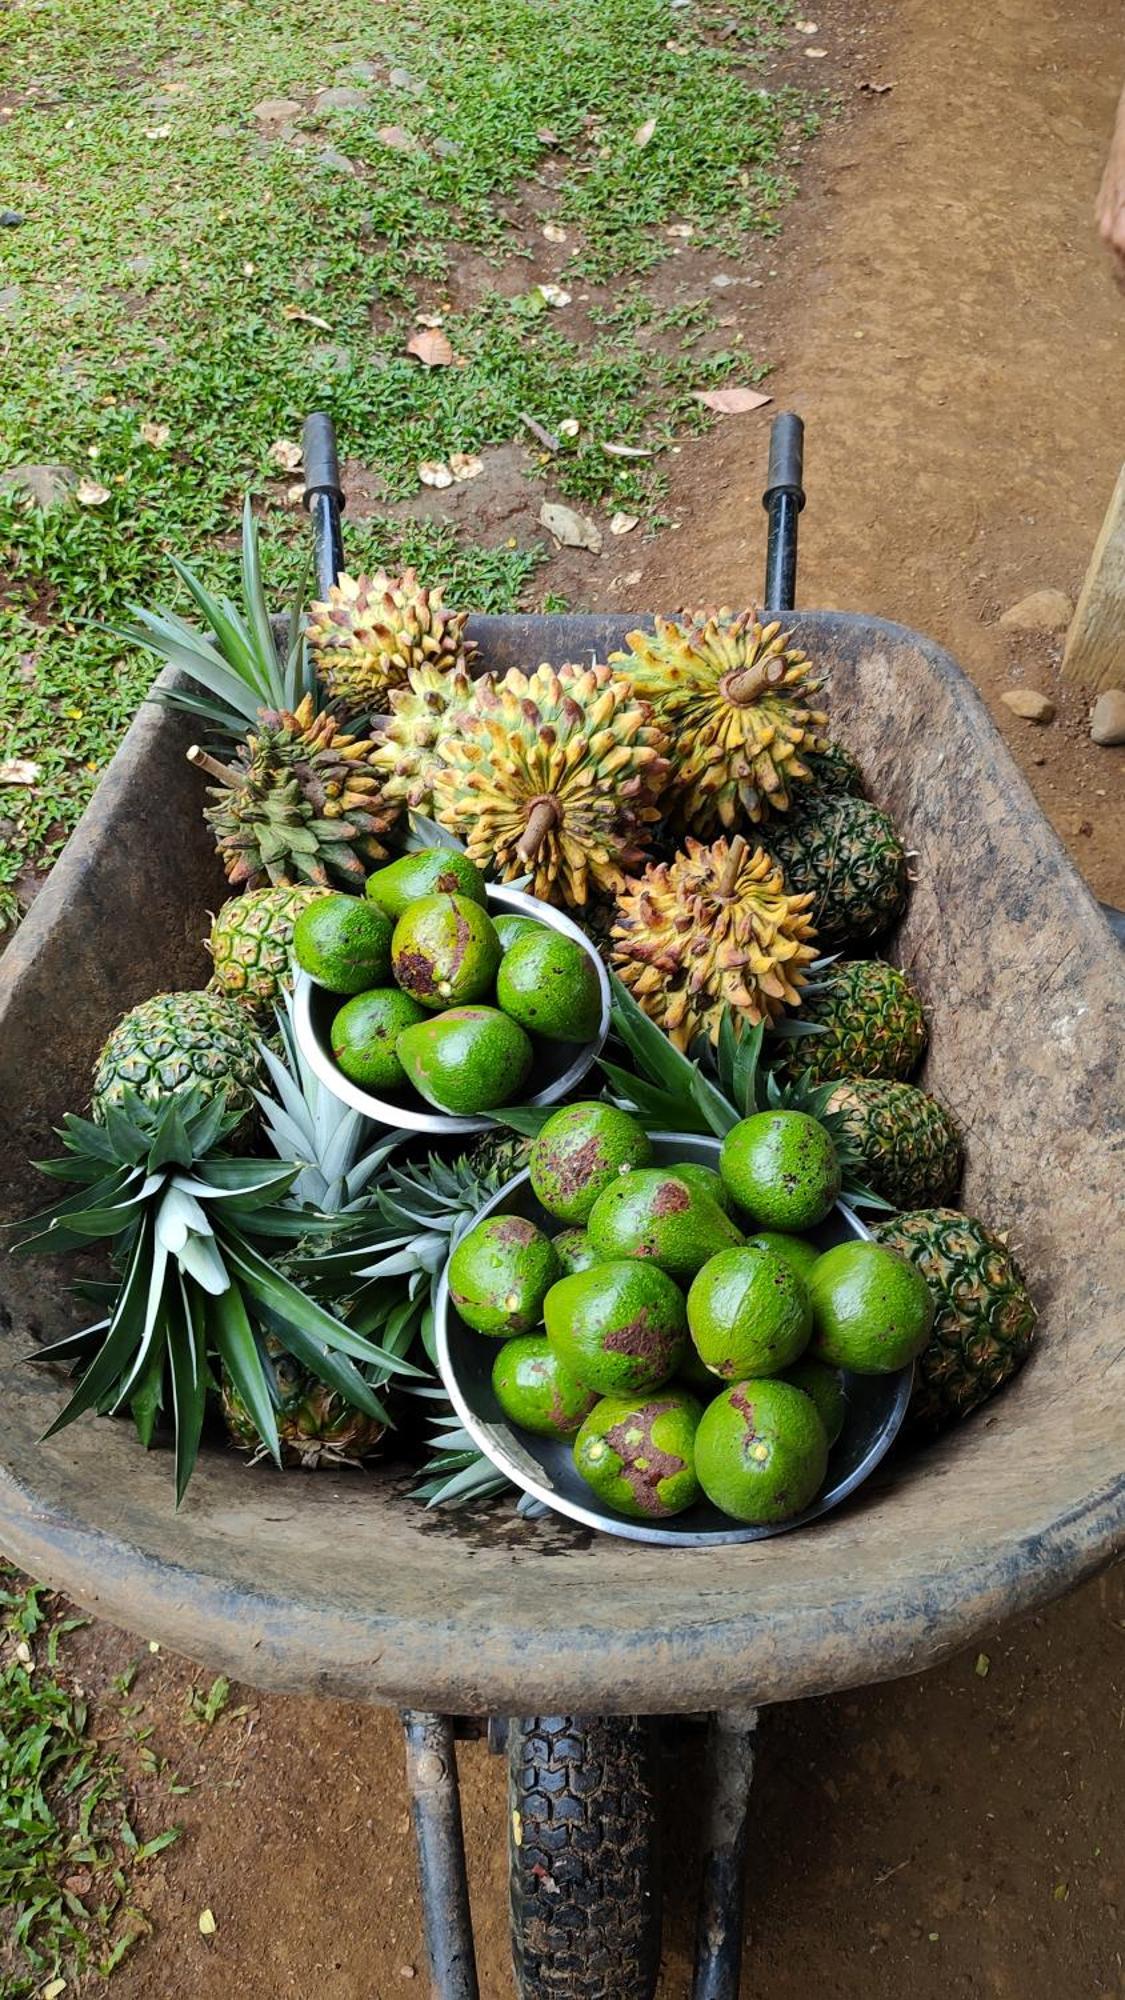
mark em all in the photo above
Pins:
pixel 940 315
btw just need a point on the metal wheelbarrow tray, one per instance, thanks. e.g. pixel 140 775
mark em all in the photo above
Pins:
pixel 338 1584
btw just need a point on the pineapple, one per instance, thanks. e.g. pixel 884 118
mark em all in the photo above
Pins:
pixel 984 1315
pixel 910 1146
pixel 832 768
pixel 371 631
pixel 733 696
pixel 196 1237
pixel 193 1042
pixel 871 1024
pixel 555 774
pixel 845 853
pixel 251 941
pixel 316 1425
pixel 712 928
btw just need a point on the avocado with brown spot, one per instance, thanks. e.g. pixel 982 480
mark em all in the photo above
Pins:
pixel 536 1390
pixel 619 1327
pixel 638 1456
pixel 434 871
pixel 655 1215
pixel 574 1250
pixel 499 1275
pixel 580 1150
pixel 445 951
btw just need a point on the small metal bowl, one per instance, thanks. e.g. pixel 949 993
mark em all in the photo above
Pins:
pixel 559 1066
pixel 544 1467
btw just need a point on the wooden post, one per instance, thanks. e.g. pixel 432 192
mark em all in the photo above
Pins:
pixel 1095 643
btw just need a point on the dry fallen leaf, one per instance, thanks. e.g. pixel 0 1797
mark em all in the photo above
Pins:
pixel 305 318
pixel 731 402
pixel 623 524
pixel 614 450
pixel 569 427
pixel 397 138
pixel 158 132
pixel 815 54
pixel 546 137
pixel 295 495
pixel 571 530
pixel 435 472
pixel 464 465
pixel 429 319
pixel 644 132
pixel 877 89
pixel 553 233
pixel 555 295
pixel 284 454
pixel 805 27
pixel 431 348
pixel 207 1924
pixel 684 229
pixel 90 494
pixel 52 1989
pixel 156 434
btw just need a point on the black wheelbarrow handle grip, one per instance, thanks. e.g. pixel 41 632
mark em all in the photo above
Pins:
pixel 322 467
pixel 783 500
pixel 324 498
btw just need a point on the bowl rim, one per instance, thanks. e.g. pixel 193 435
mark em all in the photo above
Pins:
pixel 518 1466
pixel 418 1116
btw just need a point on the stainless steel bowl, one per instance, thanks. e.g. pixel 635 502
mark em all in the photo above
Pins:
pixel 559 1066
pixel 544 1467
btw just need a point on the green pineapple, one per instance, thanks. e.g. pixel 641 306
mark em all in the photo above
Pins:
pixel 198 1238
pixel 872 1026
pixel 250 943
pixel 910 1146
pixel 834 769
pixel 176 1042
pixel 316 1425
pixel 846 853
pixel 985 1317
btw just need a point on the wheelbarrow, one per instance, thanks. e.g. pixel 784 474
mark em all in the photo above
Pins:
pixel 585 1641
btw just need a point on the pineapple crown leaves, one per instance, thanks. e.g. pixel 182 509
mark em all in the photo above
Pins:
pixel 306 1124
pixel 185 1220
pixel 234 665
pixel 672 1092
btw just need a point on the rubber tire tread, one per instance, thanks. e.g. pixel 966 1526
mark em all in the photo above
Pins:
pixel 583 1874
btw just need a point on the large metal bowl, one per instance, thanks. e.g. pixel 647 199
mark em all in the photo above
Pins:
pixel 876 1404
pixel 559 1066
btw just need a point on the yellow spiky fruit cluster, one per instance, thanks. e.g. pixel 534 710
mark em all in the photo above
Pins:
pixel 371 630
pixel 554 775
pixel 734 696
pixel 423 714
pixel 712 928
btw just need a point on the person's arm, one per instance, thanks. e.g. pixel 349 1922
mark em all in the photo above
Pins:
pixel 1110 211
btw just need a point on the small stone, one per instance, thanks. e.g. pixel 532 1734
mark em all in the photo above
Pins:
pixel 44 486
pixel 341 97
pixel 11 297
pixel 447 149
pixel 10 218
pixel 1043 611
pixel 397 138
pixel 276 110
pixel 368 71
pixel 330 161
pixel 1107 721
pixel 401 79
pixel 1034 707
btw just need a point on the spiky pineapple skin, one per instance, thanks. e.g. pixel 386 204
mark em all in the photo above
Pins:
pixel 301 803
pixel 739 754
pixel 251 940
pixel 910 1146
pixel 407 748
pixel 985 1317
pixel 371 631
pixel 834 769
pixel 845 852
pixel 712 928
pixel 176 1041
pixel 555 774
pixel 315 1426
pixel 872 1021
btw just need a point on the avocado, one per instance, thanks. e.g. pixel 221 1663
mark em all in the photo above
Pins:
pixel 654 1214
pixel 550 985
pixel 618 1327
pixel 574 1250
pixel 706 1180
pixel 499 1275
pixel 639 1454
pixel 343 943
pixel 435 871
pixel 513 926
pixel 364 1034
pixel 467 1060
pixel 580 1150
pixel 533 1388
pixel 444 951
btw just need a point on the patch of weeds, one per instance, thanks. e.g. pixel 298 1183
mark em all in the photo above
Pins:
pixel 68 1848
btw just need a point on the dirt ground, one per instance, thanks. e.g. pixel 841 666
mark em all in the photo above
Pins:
pixel 940 314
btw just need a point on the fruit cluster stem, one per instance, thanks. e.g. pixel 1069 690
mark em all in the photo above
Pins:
pixel 750 682
pixel 225 773
pixel 542 818
pixel 732 864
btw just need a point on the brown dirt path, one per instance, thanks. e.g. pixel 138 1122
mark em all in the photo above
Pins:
pixel 941 317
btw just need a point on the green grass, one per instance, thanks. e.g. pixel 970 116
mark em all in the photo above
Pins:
pixel 68 1850
pixel 168 245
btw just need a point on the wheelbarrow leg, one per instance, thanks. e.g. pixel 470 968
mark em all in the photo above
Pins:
pixel 435 1806
pixel 722 1895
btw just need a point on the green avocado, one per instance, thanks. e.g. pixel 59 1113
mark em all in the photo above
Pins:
pixel 749 1313
pixel 639 1456
pixel 705 1180
pixel 513 926
pixel 654 1214
pixel 435 871
pixel 574 1250
pixel 536 1390
pixel 500 1274
pixel 579 1151
pixel 798 1254
pixel 618 1327
pixel 824 1387
pixel 343 943
pixel 761 1451
pixel 364 1034
pixel 782 1168
pixel 550 985
pixel 444 951
pixel 467 1060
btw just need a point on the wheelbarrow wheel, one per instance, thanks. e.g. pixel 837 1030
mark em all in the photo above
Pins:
pixel 583 1863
